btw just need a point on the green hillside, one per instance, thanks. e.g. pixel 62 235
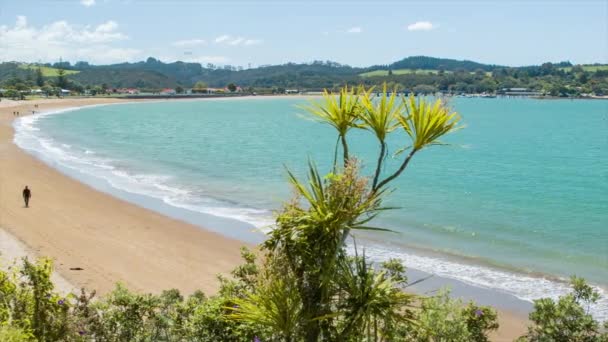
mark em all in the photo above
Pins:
pixel 46 71
pixel 419 74
pixel 397 72
pixel 434 63
pixel 588 68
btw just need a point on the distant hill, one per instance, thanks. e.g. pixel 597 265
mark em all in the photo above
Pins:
pixel 418 73
pixel 125 78
pixel 316 75
pixel 588 67
pixel 433 63
pixel 46 71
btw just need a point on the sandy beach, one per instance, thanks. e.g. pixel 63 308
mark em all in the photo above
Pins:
pixel 110 239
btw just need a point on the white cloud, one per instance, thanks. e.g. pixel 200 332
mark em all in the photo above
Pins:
pixel 420 26
pixel 108 26
pixel 249 42
pixel 21 22
pixel 87 3
pixel 222 38
pixel 355 29
pixel 237 41
pixel 61 39
pixel 189 43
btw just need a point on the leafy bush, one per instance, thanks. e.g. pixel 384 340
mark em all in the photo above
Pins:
pixel 30 310
pixel 10 333
pixel 29 305
pixel 441 318
pixel 568 319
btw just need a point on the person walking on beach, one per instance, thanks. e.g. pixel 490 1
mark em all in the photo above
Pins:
pixel 27 194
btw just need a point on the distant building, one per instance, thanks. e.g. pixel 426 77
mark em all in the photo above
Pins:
pixel 292 91
pixel 130 91
pixel 519 92
pixel 215 90
pixel 237 90
pixel 65 92
pixel 168 91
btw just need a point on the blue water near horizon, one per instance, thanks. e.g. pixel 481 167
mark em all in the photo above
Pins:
pixel 517 203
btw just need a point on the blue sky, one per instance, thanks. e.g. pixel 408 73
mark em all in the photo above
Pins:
pixel 358 33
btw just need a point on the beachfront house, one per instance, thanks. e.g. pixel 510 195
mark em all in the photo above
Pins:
pixel 129 91
pixel 65 92
pixel 215 90
pixel 168 91
pixel 519 92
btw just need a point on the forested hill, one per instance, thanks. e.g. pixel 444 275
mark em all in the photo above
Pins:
pixel 154 73
pixel 419 73
pixel 432 63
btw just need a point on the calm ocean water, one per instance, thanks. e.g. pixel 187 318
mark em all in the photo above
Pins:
pixel 518 201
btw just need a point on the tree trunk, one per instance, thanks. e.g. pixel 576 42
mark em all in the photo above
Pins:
pixel 345 149
pixel 311 310
pixel 379 165
pixel 397 173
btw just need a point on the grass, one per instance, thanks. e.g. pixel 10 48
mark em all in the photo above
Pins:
pixel 590 68
pixel 376 73
pixel 397 72
pixel 47 71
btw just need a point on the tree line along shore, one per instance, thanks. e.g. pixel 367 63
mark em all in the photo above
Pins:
pixel 419 75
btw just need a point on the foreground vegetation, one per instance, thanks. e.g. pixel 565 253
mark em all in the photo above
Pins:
pixel 306 287
pixel 31 310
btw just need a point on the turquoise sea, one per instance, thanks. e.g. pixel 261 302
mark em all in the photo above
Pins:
pixel 517 202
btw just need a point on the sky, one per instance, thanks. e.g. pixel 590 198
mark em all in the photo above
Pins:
pixel 253 33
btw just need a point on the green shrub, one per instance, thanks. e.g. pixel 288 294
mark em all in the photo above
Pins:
pixel 441 318
pixel 567 319
pixel 28 303
pixel 10 333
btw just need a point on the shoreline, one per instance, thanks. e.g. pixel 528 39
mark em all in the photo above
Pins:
pixel 138 247
pixel 104 276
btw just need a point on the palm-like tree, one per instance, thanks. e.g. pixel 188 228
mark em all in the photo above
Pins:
pixel 338 300
pixel 380 117
pixel 275 305
pixel 424 123
pixel 340 112
pixel 310 236
pixel 372 303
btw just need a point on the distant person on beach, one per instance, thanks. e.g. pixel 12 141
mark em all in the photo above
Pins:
pixel 27 194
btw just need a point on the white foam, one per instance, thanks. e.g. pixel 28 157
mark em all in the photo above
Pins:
pixel 165 188
pixel 159 186
pixel 522 286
